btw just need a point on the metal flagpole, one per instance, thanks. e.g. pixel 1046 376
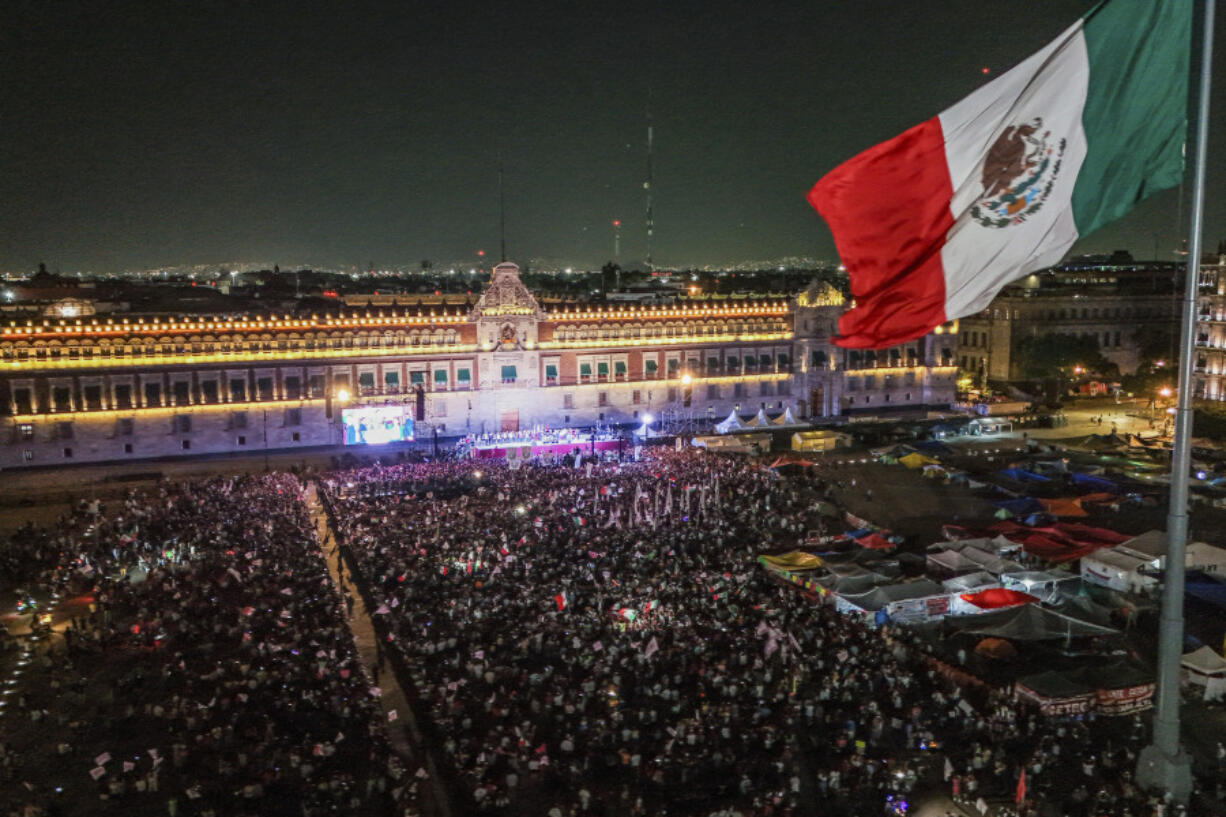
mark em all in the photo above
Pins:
pixel 1164 764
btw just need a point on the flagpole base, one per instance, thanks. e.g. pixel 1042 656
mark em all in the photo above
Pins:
pixel 1158 771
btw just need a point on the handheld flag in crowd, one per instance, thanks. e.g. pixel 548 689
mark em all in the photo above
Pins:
pixel 933 223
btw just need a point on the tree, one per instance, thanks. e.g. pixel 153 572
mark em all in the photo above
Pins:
pixel 1054 356
pixel 426 265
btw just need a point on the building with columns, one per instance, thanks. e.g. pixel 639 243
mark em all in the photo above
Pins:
pixel 97 388
pixel 1122 308
pixel 1209 369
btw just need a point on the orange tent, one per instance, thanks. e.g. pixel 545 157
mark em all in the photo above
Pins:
pixel 1064 506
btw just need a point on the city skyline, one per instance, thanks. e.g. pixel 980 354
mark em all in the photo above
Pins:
pixel 142 139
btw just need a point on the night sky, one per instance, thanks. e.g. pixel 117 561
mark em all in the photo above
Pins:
pixel 135 135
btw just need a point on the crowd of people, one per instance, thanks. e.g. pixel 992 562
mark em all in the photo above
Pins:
pixel 206 667
pixel 597 641
pixel 591 641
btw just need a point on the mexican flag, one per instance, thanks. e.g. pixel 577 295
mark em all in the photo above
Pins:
pixel 933 223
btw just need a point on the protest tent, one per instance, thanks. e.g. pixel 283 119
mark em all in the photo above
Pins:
pixel 996 649
pixel 1117 569
pixel 1022 475
pixel 1064 506
pixel 917 460
pixel 1079 604
pixel 853 584
pixel 990 561
pixel 1026 622
pixel 994 599
pixel 1098 483
pixel 735 444
pixel 1056 693
pixel 1120 687
pixel 1042 583
pixel 933 448
pixel 1021 506
pixel 970 583
pixel 1204 667
pixel 820 440
pixel 875 541
pixel 919 600
pixel 1151 546
pixel 949 561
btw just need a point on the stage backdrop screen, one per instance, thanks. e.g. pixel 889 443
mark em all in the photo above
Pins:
pixel 375 425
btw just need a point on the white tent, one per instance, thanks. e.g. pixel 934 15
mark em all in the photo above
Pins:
pixel 1208 669
pixel 971 583
pixel 730 424
pixel 1151 547
pixel 1201 556
pixel 1118 569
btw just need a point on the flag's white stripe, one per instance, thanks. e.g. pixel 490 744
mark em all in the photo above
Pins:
pixel 979 260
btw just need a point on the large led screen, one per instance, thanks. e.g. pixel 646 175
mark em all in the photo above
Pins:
pixel 375 425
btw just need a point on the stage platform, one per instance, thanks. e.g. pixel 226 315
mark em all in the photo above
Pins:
pixel 528 449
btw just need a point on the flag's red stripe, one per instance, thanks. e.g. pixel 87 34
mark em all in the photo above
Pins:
pixel 888 209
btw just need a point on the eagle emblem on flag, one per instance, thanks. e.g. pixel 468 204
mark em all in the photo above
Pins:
pixel 1018 174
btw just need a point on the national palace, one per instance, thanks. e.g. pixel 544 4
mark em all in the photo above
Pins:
pixel 80 386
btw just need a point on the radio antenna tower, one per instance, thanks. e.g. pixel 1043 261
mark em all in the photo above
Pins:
pixel 651 221
pixel 502 211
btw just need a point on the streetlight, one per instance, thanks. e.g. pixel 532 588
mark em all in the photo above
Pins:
pixel 342 395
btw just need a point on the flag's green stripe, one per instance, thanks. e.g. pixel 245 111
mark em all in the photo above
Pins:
pixel 1135 117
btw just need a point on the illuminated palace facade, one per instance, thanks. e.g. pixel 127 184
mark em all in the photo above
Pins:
pixel 1210 364
pixel 105 388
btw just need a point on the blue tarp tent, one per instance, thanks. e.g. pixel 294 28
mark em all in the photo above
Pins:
pixel 1202 588
pixel 1096 483
pixel 1022 475
pixel 934 448
pixel 1020 506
